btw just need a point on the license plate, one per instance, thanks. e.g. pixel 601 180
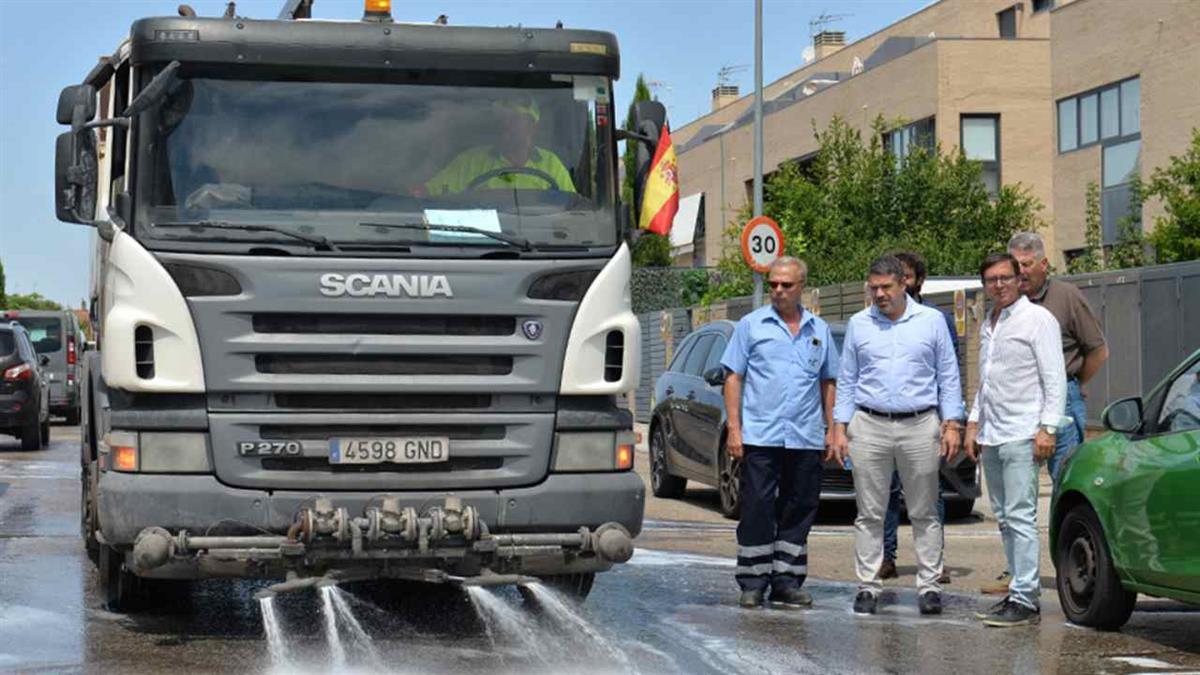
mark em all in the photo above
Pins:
pixel 416 450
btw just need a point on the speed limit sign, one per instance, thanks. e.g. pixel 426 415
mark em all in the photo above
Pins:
pixel 762 243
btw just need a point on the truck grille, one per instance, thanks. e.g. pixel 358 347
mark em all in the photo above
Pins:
pixel 382 364
pixel 278 432
pixel 383 324
pixel 383 401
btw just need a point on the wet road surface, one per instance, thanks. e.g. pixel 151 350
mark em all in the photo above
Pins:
pixel 664 612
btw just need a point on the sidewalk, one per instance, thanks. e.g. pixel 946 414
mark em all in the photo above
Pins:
pixel 973 550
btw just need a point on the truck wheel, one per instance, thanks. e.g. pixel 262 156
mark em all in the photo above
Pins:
pixel 1088 587
pixel 957 510
pixel 73 417
pixel 120 588
pixel 662 483
pixel 31 436
pixel 729 484
pixel 87 514
pixel 574 586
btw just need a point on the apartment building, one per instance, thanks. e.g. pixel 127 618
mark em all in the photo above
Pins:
pixel 998 79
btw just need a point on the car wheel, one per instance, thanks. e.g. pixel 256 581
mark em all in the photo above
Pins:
pixel 957 510
pixel 729 484
pixel 662 483
pixel 45 433
pixel 31 436
pixel 73 417
pixel 1088 587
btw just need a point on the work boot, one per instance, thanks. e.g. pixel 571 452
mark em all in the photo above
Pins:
pixel 790 598
pixel 865 603
pixel 930 602
pixel 888 569
pixel 998 586
pixel 992 609
pixel 1013 614
pixel 751 598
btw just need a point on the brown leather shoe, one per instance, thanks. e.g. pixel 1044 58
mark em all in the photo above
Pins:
pixel 888 570
pixel 945 578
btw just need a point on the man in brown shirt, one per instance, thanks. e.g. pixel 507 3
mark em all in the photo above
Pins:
pixel 1084 349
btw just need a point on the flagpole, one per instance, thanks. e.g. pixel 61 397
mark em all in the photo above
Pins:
pixel 758 135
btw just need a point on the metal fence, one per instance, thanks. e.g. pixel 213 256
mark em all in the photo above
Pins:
pixel 1150 315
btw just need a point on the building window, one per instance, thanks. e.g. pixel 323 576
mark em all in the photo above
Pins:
pixel 920 134
pixel 1007 21
pixel 1110 113
pixel 1121 162
pixel 1042 5
pixel 980 142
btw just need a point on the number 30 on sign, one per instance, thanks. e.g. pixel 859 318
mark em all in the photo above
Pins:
pixel 762 243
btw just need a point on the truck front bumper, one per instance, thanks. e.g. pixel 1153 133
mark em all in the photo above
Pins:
pixel 195 526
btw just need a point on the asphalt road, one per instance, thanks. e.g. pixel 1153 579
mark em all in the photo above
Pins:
pixel 671 609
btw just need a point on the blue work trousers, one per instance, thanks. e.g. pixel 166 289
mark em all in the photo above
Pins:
pixel 1071 433
pixel 781 489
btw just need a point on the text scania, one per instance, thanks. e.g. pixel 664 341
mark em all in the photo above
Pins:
pixel 392 285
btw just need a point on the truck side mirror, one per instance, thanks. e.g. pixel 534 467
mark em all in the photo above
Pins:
pixel 1124 415
pixel 75 169
pixel 649 118
pixel 76 102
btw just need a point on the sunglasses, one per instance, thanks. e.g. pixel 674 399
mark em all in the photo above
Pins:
pixel 785 285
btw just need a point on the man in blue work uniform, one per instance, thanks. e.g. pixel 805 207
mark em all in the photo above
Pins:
pixel 898 377
pixel 779 396
pixel 914 278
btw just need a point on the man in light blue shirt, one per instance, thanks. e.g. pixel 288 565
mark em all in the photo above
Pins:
pixel 781 365
pixel 898 376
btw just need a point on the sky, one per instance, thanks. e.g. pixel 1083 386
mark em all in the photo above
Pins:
pixel 679 45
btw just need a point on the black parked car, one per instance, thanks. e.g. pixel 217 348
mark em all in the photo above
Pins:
pixel 24 388
pixel 687 431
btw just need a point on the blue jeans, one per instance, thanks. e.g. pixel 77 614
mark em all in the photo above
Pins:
pixel 1012 481
pixel 1071 434
pixel 891 520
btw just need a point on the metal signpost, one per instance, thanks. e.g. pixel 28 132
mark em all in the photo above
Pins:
pixel 758 139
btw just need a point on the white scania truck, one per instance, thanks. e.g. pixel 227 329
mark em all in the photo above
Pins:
pixel 320 357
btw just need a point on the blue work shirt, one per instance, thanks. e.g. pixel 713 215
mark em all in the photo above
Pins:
pixel 781 377
pixel 905 365
pixel 949 321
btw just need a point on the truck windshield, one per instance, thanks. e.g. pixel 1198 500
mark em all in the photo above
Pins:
pixel 344 160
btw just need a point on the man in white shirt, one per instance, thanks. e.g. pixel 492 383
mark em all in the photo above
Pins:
pixel 1017 410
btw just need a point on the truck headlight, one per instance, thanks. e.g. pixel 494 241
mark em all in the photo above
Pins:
pixel 580 451
pixel 157 452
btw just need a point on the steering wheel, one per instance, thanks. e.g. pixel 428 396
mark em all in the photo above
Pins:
pixel 506 170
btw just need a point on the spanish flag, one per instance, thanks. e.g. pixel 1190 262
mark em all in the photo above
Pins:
pixel 660 200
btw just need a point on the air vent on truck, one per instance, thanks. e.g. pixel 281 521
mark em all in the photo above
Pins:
pixel 143 351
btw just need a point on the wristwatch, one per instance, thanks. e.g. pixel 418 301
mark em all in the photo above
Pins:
pixel 1049 429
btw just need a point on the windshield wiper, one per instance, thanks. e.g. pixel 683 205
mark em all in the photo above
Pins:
pixel 511 240
pixel 318 242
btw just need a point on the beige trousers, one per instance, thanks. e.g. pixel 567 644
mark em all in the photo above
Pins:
pixel 879 446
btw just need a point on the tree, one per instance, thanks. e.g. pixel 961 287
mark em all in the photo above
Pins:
pixel 1092 259
pixel 1176 236
pixel 855 201
pixel 649 250
pixel 30 301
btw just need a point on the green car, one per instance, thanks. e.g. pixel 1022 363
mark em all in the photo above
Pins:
pixel 1125 516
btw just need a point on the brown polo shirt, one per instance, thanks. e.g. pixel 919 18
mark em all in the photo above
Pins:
pixel 1081 331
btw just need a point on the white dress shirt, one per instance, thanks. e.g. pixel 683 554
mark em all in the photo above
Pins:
pixel 1022 377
